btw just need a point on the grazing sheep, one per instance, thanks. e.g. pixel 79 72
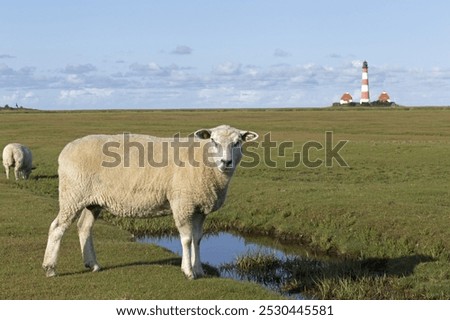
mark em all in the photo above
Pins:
pixel 143 176
pixel 18 156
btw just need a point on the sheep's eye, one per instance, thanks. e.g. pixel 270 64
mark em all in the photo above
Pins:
pixel 215 143
pixel 236 144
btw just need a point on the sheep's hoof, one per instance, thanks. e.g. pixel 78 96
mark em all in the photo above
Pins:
pixel 50 272
pixel 198 273
pixel 189 275
pixel 193 276
pixel 96 268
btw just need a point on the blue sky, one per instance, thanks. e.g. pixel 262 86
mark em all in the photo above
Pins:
pixel 207 53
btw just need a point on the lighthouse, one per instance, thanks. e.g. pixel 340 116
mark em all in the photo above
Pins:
pixel 365 84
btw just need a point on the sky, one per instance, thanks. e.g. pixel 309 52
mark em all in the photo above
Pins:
pixel 148 54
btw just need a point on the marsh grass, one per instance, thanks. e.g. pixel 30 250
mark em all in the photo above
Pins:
pixel 391 204
pixel 332 279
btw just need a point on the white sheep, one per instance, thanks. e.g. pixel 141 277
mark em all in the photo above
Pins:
pixel 143 176
pixel 18 156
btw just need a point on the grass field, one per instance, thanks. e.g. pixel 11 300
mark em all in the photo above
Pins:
pixel 385 215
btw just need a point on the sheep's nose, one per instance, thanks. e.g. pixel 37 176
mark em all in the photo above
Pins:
pixel 227 163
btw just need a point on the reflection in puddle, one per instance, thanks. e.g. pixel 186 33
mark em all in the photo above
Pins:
pixel 215 249
pixel 225 251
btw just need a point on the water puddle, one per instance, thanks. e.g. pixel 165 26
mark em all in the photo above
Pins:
pixel 258 259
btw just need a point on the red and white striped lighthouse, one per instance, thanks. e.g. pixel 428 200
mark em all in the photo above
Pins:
pixel 365 84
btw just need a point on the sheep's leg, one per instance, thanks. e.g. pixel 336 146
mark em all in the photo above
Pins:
pixel 55 234
pixel 85 223
pixel 24 174
pixel 16 172
pixel 191 231
pixel 6 170
pixel 197 233
pixel 27 174
pixel 185 230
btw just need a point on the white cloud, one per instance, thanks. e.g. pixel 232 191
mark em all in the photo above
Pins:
pixel 335 56
pixel 280 53
pixel 182 50
pixel 30 96
pixel 12 97
pixel 74 79
pixel 249 96
pixel 229 96
pixel 79 68
pixel 357 63
pixel 20 98
pixel 210 93
pixel 5 70
pixel 6 56
pixel 152 68
pixel 227 68
pixel 251 70
pixel 90 94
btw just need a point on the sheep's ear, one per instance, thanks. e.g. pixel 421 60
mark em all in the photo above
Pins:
pixel 249 135
pixel 203 134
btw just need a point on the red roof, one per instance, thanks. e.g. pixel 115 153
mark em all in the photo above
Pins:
pixel 384 97
pixel 346 97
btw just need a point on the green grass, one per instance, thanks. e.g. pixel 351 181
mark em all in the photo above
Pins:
pixel 386 216
pixel 130 270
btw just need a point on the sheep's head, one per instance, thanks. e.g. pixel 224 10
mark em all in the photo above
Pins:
pixel 225 144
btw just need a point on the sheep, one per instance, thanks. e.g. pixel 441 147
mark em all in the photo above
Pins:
pixel 18 156
pixel 134 175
